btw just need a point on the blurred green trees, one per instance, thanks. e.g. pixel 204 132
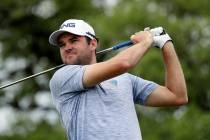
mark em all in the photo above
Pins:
pixel 26 25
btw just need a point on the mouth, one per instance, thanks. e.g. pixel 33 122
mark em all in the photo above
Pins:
pixel 70 55
pixel 70 52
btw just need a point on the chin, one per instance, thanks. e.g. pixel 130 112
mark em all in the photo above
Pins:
pixel 70 62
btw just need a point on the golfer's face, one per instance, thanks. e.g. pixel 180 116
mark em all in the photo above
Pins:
pixel 74 49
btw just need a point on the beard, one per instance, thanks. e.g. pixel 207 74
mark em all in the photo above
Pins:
pixel 83 59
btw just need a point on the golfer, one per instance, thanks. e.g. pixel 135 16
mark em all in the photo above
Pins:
pixel 96 101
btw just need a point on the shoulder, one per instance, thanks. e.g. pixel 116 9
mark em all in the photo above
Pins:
pixel 69 69
pixel 136 80
pixel 67 72
pixel 128 78
pixel 132 77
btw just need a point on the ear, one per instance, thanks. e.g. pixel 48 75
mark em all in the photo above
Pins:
pixel 93 44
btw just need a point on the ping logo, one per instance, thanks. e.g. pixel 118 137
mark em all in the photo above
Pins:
pixel 67 25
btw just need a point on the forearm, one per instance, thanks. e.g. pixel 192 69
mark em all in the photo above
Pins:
pixel 119 64
pixel 133 55
pixel 174 80
pixel 115 66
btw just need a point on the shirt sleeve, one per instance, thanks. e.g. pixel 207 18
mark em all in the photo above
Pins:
pixel 142 89
pixel 67 82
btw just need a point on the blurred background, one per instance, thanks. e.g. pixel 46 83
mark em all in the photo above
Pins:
pixel 26 109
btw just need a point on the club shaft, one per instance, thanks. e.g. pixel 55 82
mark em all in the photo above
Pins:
pixel 116 47
pixel 29 77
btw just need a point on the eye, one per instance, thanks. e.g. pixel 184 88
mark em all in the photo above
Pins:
pixel 61 45
pixel 73 40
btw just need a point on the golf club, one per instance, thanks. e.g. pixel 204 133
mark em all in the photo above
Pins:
pixel 116 47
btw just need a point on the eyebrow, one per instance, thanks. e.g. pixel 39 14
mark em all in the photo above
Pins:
pixel 72 38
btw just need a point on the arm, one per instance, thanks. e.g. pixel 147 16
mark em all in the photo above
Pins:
pixel 174 92
pixel 119 64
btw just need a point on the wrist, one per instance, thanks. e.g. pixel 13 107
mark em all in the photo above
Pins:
pixel 160 41
pixel 168 47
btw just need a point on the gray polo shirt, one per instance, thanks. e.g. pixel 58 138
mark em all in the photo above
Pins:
pixel 103 112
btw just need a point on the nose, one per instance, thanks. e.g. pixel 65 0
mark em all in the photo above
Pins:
pixel 68 47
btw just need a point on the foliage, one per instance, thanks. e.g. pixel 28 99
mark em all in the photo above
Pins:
pixel 42 131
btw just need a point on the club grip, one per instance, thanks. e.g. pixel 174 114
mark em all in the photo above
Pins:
pixel 123 44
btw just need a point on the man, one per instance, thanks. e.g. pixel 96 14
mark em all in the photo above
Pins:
pixel 96 100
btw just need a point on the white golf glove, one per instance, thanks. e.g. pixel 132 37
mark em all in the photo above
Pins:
pixel 155 31
pixel 160 36
pixel 160 41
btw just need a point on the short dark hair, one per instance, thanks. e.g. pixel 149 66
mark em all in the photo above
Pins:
pixel 89 39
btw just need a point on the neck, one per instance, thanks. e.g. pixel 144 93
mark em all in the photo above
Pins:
pixel 93 60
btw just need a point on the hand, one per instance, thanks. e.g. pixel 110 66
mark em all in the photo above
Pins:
pixel 156 31
pixel 160 41
pixel 160 37
pixel 143 36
